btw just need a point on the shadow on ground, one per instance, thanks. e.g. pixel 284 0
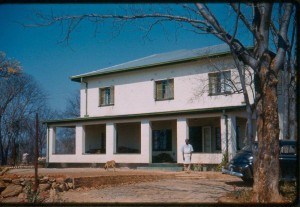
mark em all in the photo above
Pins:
pixel 239 184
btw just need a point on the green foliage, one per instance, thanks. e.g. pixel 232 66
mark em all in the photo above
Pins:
pixel 197 167
pixel 32 196
pixel 223 163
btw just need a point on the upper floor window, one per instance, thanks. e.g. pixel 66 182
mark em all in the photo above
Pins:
pixel 164 89
pixel 219 83
pixel 106 96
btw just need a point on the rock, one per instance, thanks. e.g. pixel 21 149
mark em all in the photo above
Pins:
pixel 22 196
pixel 53 196
pixel 7 180
pixel 53 185
pixel 52 179
pixel 11 190
pixel 66 186
pixel 70 185
pixel 68 180
pixel 44 187
pixel 3 171
pixel 61 188
pixel 44 180
pixel 2 186
pixel 60 180
pixel 26 182
pixel 16 181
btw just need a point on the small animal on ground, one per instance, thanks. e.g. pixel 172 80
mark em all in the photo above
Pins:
pixel 109 164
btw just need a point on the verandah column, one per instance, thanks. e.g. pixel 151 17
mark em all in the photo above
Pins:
pixel 51 142
pixel 228 135
pixel 232 135
pixel 110 139
pixel 146 141
pixel 182 134
pixel 79 145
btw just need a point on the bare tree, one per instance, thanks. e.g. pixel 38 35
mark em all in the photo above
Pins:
pixel 73 106
pixel 21 97
pixel 266 59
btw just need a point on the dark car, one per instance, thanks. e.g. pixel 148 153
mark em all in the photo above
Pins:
pixel 241 164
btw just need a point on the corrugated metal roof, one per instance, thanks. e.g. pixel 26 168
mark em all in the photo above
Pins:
pixel 159 59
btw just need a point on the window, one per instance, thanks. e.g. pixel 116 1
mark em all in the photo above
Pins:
pixel 106 96
pixel 164 89
pixel 288 150
pixel 162 140
pixel 219 83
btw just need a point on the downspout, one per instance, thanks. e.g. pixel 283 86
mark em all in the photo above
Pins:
pixel 86 96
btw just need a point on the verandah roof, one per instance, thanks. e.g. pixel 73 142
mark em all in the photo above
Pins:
pixel 146 115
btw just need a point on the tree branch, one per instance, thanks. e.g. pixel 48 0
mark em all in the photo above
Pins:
pixel 282 37
pixel 244 19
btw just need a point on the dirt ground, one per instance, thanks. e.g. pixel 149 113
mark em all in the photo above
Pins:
pixel 171 187
pixel 178 189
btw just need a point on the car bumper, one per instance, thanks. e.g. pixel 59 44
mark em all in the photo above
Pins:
pixel 231 172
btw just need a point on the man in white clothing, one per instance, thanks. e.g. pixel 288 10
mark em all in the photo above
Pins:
pixel 187 151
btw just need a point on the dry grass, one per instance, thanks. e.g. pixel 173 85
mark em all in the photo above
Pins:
pixel 288 191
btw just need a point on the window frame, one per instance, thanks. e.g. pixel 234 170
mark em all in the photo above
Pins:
pixel 220 85
pixel 169 88
pixel 111 96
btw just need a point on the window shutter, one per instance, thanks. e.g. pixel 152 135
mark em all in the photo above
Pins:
pixel 171 88
pixel 102 98
pixel 227 77
pixel 99 97
pixel 158 90
pixel 210 83
pixel 112 94
pixel 213 83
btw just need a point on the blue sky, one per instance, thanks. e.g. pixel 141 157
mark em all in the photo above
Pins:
pixel 51 63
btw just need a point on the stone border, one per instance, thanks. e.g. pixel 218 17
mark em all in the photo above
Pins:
pixel 16 186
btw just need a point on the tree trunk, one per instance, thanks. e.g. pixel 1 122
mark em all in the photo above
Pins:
pixel 266 164
pixel 285 95
pixel 3 160
pixel 292 102
pixel 292 112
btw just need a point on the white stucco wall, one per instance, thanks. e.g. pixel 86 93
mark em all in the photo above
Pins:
pixel 135 94
pixel 134 91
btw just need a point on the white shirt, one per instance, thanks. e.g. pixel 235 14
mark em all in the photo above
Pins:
pixel 187 149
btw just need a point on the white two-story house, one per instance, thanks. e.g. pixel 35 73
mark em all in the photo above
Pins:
pixel 139 111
